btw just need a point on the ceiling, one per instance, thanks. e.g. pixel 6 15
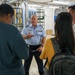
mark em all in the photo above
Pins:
pixel 37 0
pixel 53 2
pixel 50 0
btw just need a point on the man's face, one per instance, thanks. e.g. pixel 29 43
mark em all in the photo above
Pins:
pixel 34 20
pixel 72 12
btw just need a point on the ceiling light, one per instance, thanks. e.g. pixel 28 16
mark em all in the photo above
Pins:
pixel 59 3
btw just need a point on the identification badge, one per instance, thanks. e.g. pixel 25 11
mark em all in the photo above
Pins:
pixel 39 32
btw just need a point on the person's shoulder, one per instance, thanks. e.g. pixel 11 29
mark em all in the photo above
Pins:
pixel 40 26
pixel 48 39
pixel 9 26
pixel 74 24
pixel 13 27
pixel 28 26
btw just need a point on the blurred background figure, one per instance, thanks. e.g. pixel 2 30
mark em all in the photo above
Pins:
pixel 71 9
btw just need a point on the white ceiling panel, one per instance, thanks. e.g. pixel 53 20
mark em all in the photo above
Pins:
pixel 50 0
pixel 64 0
pixel 40 0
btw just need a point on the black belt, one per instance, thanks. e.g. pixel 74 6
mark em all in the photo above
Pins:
pixel 34 47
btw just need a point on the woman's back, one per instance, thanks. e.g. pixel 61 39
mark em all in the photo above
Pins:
pixel 64 31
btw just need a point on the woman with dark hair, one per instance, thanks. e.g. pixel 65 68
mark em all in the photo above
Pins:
pixel 64 31
pixel 63 34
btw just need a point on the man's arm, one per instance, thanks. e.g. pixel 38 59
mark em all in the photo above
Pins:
pixel 42 44
pixel 43 41
pixel 27 36
pixel 24 33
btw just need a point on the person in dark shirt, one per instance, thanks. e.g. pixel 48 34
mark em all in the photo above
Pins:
pixel 12 45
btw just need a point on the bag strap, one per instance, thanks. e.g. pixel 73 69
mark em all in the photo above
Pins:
pixel 57 48
pixel 55 44
pixel 45 62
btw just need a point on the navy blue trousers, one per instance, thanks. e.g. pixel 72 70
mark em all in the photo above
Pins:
pixel 27 63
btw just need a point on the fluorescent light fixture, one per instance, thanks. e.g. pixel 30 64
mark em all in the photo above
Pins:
pixel 33 5
pixel 10 1
pixel 59 3
pixel 53 7
pixel 39 0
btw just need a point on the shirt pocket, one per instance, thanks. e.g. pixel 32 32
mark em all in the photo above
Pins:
pixel 30 31
pixel 39 33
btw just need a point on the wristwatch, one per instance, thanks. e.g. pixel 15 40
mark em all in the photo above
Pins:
pixel 41 45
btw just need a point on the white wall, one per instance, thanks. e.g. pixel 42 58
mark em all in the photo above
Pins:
pixel 49 18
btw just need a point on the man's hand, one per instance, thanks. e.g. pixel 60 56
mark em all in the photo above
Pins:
pixel 40 49
pixel 29 35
